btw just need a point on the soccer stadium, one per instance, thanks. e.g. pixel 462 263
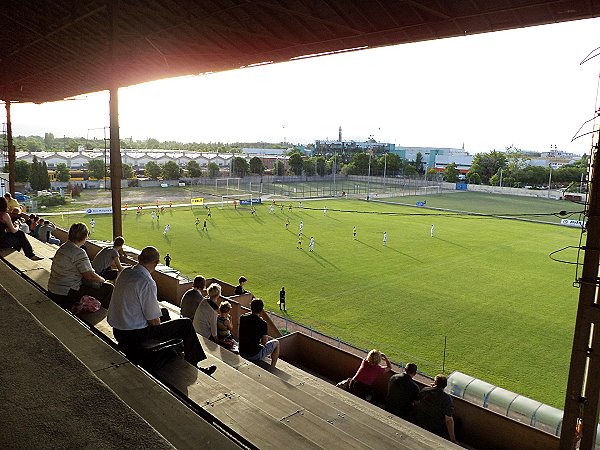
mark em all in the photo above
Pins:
pixel 316 296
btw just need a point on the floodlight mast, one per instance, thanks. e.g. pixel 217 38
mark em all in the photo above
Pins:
pixel 580 419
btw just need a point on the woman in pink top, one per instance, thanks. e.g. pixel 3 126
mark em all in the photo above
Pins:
pixel 367 374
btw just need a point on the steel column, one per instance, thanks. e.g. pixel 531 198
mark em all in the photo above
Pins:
pixel 116 171
pixel 12 170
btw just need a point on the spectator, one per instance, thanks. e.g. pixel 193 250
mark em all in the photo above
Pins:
pixel 45 233
pixel 72 275
pixel 107 258
pixel 11 203
pixel 31 221
pixel 23 226
pixel 367 374
pixel 135 313
pixel 255 343
pixel 403 393
pixel 192 298
pixel 435 409
pixel 225 327
pixel 205 318
pixel 239 289
pixel 36 230
pixel 10 236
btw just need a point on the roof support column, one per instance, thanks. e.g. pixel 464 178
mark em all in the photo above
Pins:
pixel 116 172
pixel 583 388
pixel 12 170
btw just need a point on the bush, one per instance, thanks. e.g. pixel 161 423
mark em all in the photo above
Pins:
pixel 50 200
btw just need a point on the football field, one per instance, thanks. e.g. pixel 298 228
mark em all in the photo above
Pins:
pixel 487 284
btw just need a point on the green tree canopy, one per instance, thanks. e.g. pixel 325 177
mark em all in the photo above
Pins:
pixel 256 165
pixel 152 170
pixel 295 163
pixel 240 166
pixel 170 170
pixel 419 163
pixel 22 171
pixel 321 165
pixel 194 169
pixel 96 169
pixel 39 178
pixel 62 172
pixel 308 167
pixel 361 163
pixel 278 168
pixel 127 171
pixel 487 164
pixel 213 170
pixel 451 173
pixel 473 178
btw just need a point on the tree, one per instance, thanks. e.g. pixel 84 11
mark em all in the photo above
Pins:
pixel 278 168
pixel 48 141
pixel 170 170
pixel 321 165
pixel 487 164
pixel 152 170
pixel 308 166
pixel 22 171
pixel 96 169
pixel 392 163
pixel 295 163
pixel 256 165
pixel 127 171
pixel 361 163
pixel 39 178
pixel 451 173
pixel 194 169
pixel 62 172
pixel 419 163
pixel 473 178
pixel 240 166
pixel 213 169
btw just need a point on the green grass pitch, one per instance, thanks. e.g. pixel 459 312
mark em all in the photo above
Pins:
pixel 487 284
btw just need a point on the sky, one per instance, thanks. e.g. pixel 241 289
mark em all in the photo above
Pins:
pixel 521 87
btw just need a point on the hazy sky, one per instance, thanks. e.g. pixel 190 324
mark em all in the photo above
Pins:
pixel 523 87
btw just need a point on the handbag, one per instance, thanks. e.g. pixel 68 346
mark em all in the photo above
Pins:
pixel 86 304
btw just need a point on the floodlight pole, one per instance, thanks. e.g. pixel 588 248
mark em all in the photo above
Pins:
pixel 583 387
pixel 549 179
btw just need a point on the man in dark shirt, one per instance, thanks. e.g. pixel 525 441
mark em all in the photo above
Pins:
pixel 403 392
pixel 435 409
pixel 239 289
pixel 255 343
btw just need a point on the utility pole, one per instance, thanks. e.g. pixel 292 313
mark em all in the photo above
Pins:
pixel 549 180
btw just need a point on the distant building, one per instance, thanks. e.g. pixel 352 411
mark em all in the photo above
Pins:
pixel 347 148
pixel 436 157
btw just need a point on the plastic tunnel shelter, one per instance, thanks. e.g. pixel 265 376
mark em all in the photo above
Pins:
pixel 507 403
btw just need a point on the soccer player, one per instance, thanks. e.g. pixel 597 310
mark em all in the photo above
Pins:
pixel 271 209
pixel 299 245
pixel 290 208
pixel 300 205
pixel 197 222
pixel 287 223
pixel 204 227
pixel 93 224
pixel 282 299
pixel 311 245
pixel 282 208
pixel 432 230
pixel 126 206
pixel 170 203
pixel 354 232
pixel 301 228
pixel 209 212
pixel 385 238
pixel 153 215
pixel 167 228
pixel 168 260
pixel 325 211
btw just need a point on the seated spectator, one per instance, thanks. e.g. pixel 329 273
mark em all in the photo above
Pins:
pixel 205 318
pixel 107 258
pixel 135 312
pixel 45 233
pixel 239 289
pixel 192 298
pixel 10 236
pixel 31 221
pixel 225 327
pixel 435 409
pixel 367 374
pixel 23 226
pixel 11 203
pixel 72 275
pixel 403 393
pixel 36 229
pixel 255 343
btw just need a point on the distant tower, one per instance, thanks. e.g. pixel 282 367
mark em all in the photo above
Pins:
pixel 340 134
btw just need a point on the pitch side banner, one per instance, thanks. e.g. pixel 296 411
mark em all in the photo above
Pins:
pixel 198 201
pixel 572 223
pixel 98 211
pixel 254 201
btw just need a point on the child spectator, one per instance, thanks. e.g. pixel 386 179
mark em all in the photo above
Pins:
pixel 225 327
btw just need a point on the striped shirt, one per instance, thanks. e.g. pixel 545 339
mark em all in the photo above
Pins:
pixel 68 265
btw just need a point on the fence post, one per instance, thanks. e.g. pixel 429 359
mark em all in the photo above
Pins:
pixel 339 343
pixel 286 326
pixel 310 329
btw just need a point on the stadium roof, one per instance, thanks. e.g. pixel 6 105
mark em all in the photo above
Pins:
pixel 51 50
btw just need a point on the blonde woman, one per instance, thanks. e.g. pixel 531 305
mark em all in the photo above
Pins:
pixel 205 318
pixel 368 372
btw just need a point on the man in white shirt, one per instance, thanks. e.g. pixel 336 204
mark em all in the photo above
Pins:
pixel 134 312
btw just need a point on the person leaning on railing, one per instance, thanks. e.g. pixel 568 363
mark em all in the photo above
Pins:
pixel 368 372
pixel 11 236
pixel 72 275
